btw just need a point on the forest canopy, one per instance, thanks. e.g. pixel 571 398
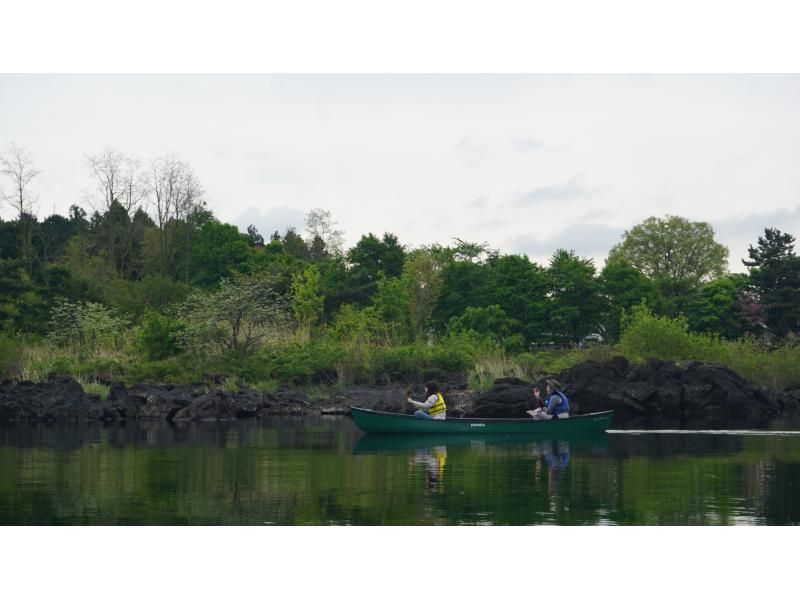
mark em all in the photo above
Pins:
pixel 144 281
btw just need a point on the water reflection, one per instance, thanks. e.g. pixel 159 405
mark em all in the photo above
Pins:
pixel 434 460
pixel 292 471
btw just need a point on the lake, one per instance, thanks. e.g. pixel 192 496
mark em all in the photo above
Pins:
pixel 323 471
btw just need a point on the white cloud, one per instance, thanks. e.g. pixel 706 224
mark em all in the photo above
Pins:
pixel 526 144
pixel 574 188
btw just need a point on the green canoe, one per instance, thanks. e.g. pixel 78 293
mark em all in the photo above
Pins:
pixel 395 423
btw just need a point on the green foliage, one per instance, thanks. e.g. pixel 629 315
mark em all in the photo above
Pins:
pixel 465 284
pixel 307 302
pixel 713 309
pixel 576 305
pixel 390 303
pixel 622 286
pixel 493 323
pixel 295 363
pixel 775 275
pixel 86 326
pixel 173 370
pixel 422 276
pixel 218 251
pixel 646 335
pixel 370 260
pixel 673 248
pixel 520 287
pixel 153 292
pixel 94 388
pixel 239 316
pixel 158 337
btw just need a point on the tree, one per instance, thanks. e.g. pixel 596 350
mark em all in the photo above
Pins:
pixel 775 275
pixel 239 316
pixel 118 178
pixel 714 308
pixel 465 284
pixel 673 248
pixel 219 251
pixel 771 249
pixel 89 326
pixel 390 302
pixel 576 305
pixel 372 259
pixel 520 288
pixel 622 286
pixel 320 223
pixel 307 302
pixel 177 196
pixel 17 165
pixel 253 237
pixel 51 236
pixel 294 245
pixel 493 323
pixel 422 275
pixel 121 191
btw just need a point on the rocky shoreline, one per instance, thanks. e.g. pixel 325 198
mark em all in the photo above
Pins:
pixel 656 393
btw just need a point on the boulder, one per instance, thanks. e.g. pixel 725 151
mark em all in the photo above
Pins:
pixel 59 398
pixel 214 406
pixel 718 394
pixel 508 397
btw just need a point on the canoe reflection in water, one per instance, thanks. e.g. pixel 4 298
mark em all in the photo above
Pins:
pixel 554 452
pixel 434 459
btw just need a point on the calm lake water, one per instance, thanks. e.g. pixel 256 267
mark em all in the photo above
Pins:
pixel 323 471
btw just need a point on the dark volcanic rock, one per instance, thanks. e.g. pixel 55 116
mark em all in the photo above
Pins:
pixel 60 398
pixel 216 405
pixel 655 393
pixel 391 399
pixel 508 397
pixel 663 393
pixel 160 402
pixel 718 393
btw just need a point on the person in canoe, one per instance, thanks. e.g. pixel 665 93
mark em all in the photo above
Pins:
pixel 433 407
pixel 555 406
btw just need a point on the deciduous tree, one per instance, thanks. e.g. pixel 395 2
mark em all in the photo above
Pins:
pixel 673 248
pixel 18 167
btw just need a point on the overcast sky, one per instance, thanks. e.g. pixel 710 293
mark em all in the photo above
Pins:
pixel 527 164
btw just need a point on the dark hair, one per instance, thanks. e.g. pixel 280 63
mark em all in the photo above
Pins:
pixel 432 387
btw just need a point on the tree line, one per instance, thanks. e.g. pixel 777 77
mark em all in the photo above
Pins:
pixel 145 256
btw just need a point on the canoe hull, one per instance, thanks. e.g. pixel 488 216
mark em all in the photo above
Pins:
pixel 378 422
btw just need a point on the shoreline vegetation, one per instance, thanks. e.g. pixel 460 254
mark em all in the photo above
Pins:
pixel 152 288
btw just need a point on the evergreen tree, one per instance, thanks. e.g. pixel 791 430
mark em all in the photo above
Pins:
pixel 775 275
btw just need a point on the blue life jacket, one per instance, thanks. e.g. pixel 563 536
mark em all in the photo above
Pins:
pixel 563 407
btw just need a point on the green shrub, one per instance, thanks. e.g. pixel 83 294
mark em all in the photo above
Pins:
pixel 403 363
pixel 452 358
pixel 158 337
pixel 294 363
pixel 646 335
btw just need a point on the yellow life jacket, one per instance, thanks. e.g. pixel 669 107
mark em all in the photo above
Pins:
pixel 438 406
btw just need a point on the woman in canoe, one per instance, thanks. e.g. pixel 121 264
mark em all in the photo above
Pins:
pixel 555 406
pixel 433 407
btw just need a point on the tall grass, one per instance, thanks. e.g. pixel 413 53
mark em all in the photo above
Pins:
pixel 93 388
pixel 325 361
